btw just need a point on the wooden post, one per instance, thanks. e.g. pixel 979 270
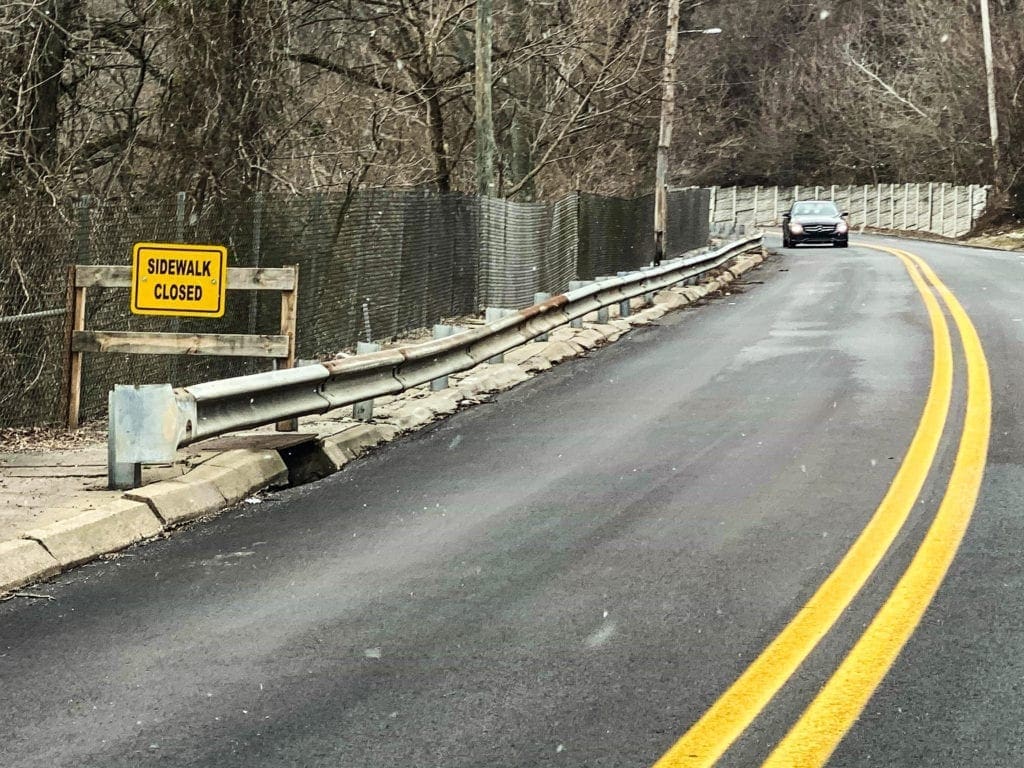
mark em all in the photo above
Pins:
pixel 289 318
pixel 917 206
pixel 668 97
pixel 878 206
pixel 990 82
pixel 775 205
pixel 756 190
pixel 76 322
pixel 865 221
pixel 483 104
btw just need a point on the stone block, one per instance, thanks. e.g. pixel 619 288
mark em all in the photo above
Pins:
pixel 669 300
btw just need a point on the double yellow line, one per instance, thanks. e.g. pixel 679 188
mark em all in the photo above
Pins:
pixel 830 715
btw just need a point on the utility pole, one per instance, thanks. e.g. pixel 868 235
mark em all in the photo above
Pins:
pixel 668 101
pixel 990 78
pixel 483 104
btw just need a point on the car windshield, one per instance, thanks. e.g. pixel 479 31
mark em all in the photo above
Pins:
pixel 815 209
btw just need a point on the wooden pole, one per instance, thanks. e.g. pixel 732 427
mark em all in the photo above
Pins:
pixel 484 104
pixel 668 100
pixel 990 82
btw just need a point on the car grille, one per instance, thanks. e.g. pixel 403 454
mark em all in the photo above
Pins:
pixel 819 229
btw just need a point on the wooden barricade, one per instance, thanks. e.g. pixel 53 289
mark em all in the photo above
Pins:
pixel 279 347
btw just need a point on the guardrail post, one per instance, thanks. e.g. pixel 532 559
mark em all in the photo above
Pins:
pixel 441 332
pixel 624 309
pixel 537 299
pixel 493 315
pixel 603 314
pixel 573 285
pixel 363 411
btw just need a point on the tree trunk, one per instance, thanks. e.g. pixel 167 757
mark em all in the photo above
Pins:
pixel 39 121
pixel 435 126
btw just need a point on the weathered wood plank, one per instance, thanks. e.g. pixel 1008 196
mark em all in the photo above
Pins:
pixel 138 343
pixel 289 314
pixel 103 276
pixel 76 301
pixel 268 279
pixel 239 278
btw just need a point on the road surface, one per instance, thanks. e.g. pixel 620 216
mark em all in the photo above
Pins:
pixel 619 563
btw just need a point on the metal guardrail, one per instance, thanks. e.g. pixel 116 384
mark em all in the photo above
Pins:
pixel 149 423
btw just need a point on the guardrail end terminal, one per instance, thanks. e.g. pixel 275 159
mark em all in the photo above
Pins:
pixel 143 425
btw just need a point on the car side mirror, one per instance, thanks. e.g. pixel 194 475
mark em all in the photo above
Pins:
pixel 844 214
pixel 785 217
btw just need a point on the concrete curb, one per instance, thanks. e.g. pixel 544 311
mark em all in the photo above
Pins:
pixel 342 447
pixel 217 483
pixel 229 477
pixel 97 532
pixel 23 561
pixel 178 501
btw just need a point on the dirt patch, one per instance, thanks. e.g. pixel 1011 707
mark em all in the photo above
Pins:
pixel 1007 240
pixel 27 439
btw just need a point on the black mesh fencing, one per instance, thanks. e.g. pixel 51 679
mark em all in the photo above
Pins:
pixel 372 265
pixel 615 235
pixel 688 225
pixel 526 248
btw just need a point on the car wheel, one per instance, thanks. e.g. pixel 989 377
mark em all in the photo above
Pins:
pixel 786 242
pixel 841 244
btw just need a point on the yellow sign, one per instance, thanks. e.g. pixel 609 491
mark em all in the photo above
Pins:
pixel 179 280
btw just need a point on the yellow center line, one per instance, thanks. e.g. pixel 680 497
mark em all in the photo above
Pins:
pixel 733 712
pixel 839 703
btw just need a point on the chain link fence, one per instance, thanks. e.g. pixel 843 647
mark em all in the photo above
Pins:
pixel 372 265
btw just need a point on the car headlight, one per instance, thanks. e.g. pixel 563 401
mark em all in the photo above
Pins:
pixel 796 228
pixel 842 228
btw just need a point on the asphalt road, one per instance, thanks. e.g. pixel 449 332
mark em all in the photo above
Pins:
pixel 574 573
